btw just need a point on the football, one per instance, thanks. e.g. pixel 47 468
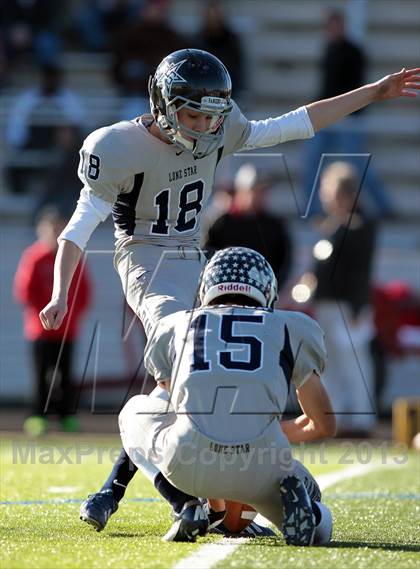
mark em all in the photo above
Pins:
pixel 238 516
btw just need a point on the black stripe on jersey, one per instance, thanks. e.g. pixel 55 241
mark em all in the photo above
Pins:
pixel 219 154
pixel 287 361
pixel 124 209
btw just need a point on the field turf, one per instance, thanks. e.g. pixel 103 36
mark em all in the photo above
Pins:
pixel 376 515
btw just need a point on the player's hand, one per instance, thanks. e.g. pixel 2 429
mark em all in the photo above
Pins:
pixel 405 83
pixel 53 314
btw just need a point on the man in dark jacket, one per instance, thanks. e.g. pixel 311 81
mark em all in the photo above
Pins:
pixel 343 67
pixel 343 267
pixel 247 223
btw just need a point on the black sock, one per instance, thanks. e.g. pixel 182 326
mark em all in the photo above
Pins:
pixel 175 497
pixel 316 511
pixel 121 474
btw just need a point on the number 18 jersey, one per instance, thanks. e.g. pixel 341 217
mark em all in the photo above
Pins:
pixel 157 190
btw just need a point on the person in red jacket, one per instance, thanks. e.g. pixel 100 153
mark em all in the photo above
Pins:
pixel 51 350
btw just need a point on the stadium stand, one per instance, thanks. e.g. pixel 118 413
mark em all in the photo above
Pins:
pixel 281 75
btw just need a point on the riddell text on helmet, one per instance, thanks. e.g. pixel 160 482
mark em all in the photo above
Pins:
pixel 233 287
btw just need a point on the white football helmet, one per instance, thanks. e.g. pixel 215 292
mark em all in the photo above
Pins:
pixel 238 271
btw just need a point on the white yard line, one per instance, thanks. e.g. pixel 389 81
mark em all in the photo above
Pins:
pixel 63 489
pixel 212 553
pixel 331 478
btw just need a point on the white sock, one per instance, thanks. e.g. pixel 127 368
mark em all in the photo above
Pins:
pixel 323 531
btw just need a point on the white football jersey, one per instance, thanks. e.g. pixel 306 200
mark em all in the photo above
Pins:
pixel 158 190
pixel 231 367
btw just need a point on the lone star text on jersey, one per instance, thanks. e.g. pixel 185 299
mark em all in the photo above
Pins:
pixel 183 173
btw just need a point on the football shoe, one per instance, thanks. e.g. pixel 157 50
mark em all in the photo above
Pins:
pixel 298 517
pixel 98 508
pixel 191 522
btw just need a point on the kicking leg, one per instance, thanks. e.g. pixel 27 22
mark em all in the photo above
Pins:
pixel 98 508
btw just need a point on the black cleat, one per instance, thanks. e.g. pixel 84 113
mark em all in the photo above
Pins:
pixel 190 523
pixel 252 530
pixel 298 519
pixel 98 508
pixel 217 526
pixel 215 518
pixel 255 530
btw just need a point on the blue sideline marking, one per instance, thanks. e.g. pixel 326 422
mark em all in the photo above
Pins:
pixel 329 496
pixel 369 495
pixel 68 501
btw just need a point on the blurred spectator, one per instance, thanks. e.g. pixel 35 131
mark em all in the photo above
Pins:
pixel 27 126
pixel 248 224
pixel 52 351
pixel 32 26
pixel 343 265
pixel 397 322
pixel 218 38
pixel 397 317
pixel 32 124
pixel 343 68
pixel 138 49
pixel 98 20
pixel 61 182
pixel 4 65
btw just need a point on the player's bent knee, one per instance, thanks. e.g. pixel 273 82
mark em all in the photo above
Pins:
pixel 130 410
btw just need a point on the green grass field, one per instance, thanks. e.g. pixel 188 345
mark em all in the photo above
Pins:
pixel 42 484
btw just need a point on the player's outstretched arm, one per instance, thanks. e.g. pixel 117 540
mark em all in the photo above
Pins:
pixel 66 261
pixel 405 83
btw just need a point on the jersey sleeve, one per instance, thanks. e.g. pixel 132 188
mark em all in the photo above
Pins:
pixel 311 354
pixel 295 125
pixel 242 134
pixel 89 213
pixel 237 129
pixel 159 352
pixel 103 167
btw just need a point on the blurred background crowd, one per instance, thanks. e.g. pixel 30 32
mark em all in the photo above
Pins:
pixel 336 216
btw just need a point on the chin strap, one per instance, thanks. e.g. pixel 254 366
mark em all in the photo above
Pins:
pixel 188 144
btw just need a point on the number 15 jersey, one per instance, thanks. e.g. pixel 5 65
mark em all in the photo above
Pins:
pixel 231 367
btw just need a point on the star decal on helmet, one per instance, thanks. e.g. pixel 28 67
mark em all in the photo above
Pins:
pixel 171 75
pixel 230 267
